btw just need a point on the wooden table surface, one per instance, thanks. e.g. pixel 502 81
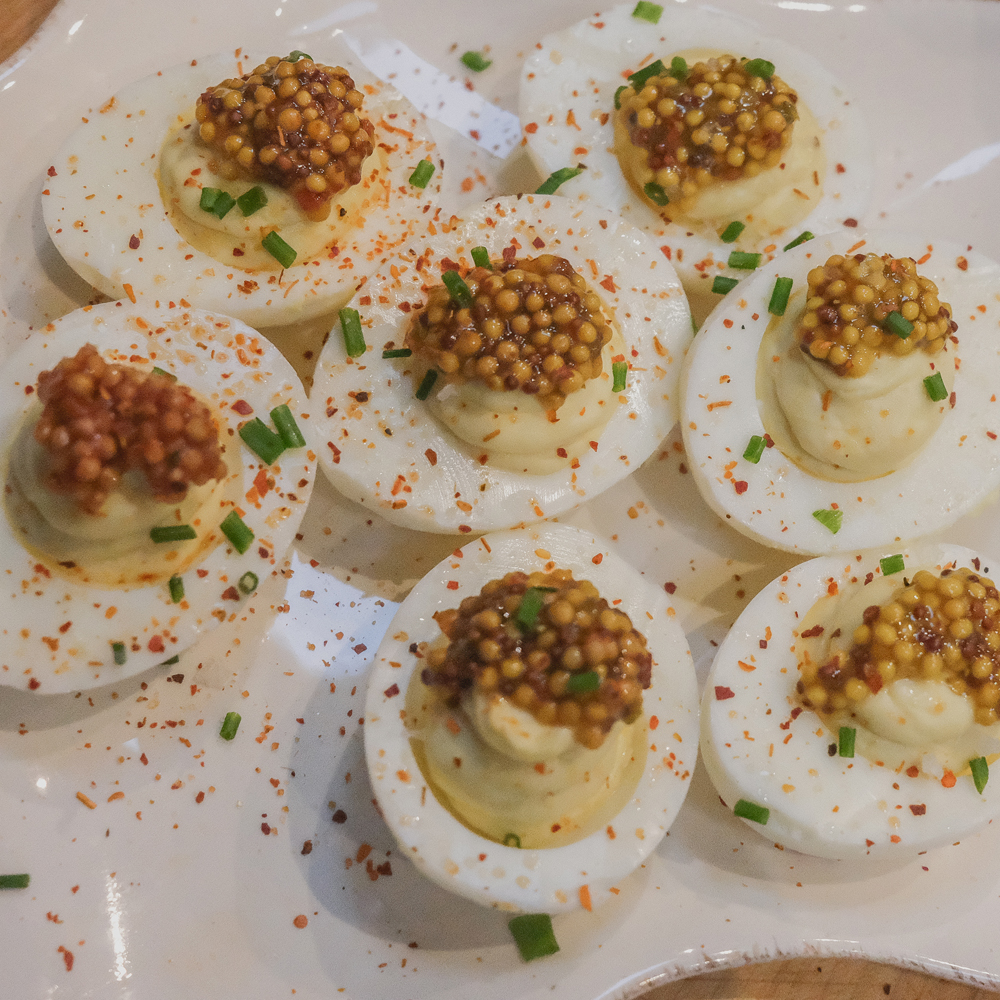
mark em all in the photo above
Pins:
pixel 792 979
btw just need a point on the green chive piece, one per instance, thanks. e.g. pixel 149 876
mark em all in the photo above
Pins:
pixel 590 680
pixel 750 810
pixel 779 297
pixel 732 232
pixel 252 201
pixel 481 258
pixel 176 589
pixel 679 68
pixel 119 653
pixel 639 78
pixel 722 285
pixel 354 338
pixel 980 773
pixel 759 67
pixel 934 384
pixel 799 240
pixel 531 604
pixel 534 935
pixel 476 61
pixel 744 261
pixel 171 661
pixel 559 177
pixel 298 54
pixel 282 418
pixel 248 582
pixel 512 840
pixel 237 531
pixel 457 288
pixel 619 370
pixel 207 201
pixel 755 449
pixel 230 725
pixel 261 440
pixel 618 96
pixel 655 193
pixel 892 564
pixel 845 741
pixel 899 325
pixel 422 174
pixel 646 11
pixel 172 533
pixel 15 881
pixel 216 201
pixel 279 249
pixel 160 371
pixel 829 519
pixel 426 384
pixel 398 352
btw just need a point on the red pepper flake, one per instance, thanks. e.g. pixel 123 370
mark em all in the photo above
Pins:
pixel 912 771
pixel 230 594
pixel 391 691
pixel 538 243
pixel 666 252
pixel 991 435
pixel 741 486
pixel 872 678
pixel 52 172
pixel 156 644
pixel 951 401
pixel 133 242
pixel 609 283
pixel 810 632
pixel 562 453
pixel 359 648
pixel 598 559
pixel 962 264
pixel 653 722
pixel 948 780
pixel 728 324
pixel 918 810
pixel 895 838
pixel 851 223
pixel 453 584
pixel 593 445
pixel 265 828
pixel 339 816
pixel 144 759
pixel 763 643
pixel 242 407
pixel 841 168
pixel 34 684
pixel 510 254
pixel 307 846
pixel 723 693
pixel 67 958
pixel 531 128
pixel 301 921
pixel 670 588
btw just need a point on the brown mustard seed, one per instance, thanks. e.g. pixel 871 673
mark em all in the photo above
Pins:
pixel 848 305
pixel 297 125
pixel 102 420
pixel 579 664
pixel 534 325
pixel 943 628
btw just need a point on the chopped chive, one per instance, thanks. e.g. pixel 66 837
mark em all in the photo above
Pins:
pixel 590 680
pixel 230 724
pixel 646 11
pixel 899 325
pixel 426 384
pixel 207 200
pixel 511 840
pixel 892 564
pixel 759 67
pixel 639 78
pixel 799 240
pixel 119 653
pixel 176 589
pixel 845 741
pixel 15 881
pixel 252 201
pixel 531 604
pixel 261 440
pixel 248 582
pixel 980 772
pixel 397 352
pixel 354 338
pixel 655 193
pixel 422 174
pixel 732 232
pixel 934 384
pixel 172 533
pixel 829 519
pixel 618 96
pixel 779 297
pixel 744 261
pixel 722 285
pixel 286 426
pixel 533 935
pixel 278 249
pixel 754 449
pixel 679 68
pixel 558 178
pixel 619 370
pixel 216 201
pixel 752 811
pixel 237 531
pixel 476 61
pixel 171 661
pixel 160 371
pixel 298 54
pixel 457 289
pixel 481 258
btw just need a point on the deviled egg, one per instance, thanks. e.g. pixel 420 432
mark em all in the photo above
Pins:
pixel 146 492
pixel 512 747
pixel 851 711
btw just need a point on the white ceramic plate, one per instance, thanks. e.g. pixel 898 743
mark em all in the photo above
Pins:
pixel 193 882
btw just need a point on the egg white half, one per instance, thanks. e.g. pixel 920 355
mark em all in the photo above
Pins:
pixel 773 501
pixel 387 451
pixel 58 628
pixel 101 198
pixel 567 94
pixel 759 744
pixel 546 880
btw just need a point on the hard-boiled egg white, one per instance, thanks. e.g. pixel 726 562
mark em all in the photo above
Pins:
pixel 386 449
pixel 553 879
pixel 103 208
pixel 567 104
pixel 774 500
pixel 760 745
pixel 64 619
